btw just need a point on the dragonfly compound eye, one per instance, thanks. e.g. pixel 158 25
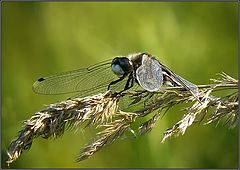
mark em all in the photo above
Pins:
pixel 121 66
pixel 117 70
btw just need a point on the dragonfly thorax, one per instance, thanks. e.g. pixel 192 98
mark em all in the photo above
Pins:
pixel 121 66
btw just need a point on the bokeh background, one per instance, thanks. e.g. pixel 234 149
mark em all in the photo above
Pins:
pixel 196 40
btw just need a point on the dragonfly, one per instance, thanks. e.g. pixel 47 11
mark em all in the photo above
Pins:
pixel 119 74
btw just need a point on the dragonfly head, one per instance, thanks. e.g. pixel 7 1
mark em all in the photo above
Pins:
pixel 121 66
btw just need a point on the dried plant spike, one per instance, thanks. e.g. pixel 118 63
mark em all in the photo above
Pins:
pixel 103 112
pixel 112 131
pixel 222 107
pixel 52 121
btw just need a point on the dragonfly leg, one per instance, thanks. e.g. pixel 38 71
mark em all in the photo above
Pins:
pixel 116 81
pixel 130 78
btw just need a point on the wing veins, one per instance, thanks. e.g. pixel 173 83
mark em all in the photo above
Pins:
pixel 180 80
pixel 66 79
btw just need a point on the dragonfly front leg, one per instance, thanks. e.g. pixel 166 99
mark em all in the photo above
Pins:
pixel 116 81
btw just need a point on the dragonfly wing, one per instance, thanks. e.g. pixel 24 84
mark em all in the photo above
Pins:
pixel 149 74
pixel 190 86
pixel 80 81
pixel 181 81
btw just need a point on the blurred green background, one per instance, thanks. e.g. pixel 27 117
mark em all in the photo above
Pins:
pixel 196 40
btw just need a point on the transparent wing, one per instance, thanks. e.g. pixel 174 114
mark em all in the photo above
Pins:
pixel 83 81
pixel 188 85
pixel 149 74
